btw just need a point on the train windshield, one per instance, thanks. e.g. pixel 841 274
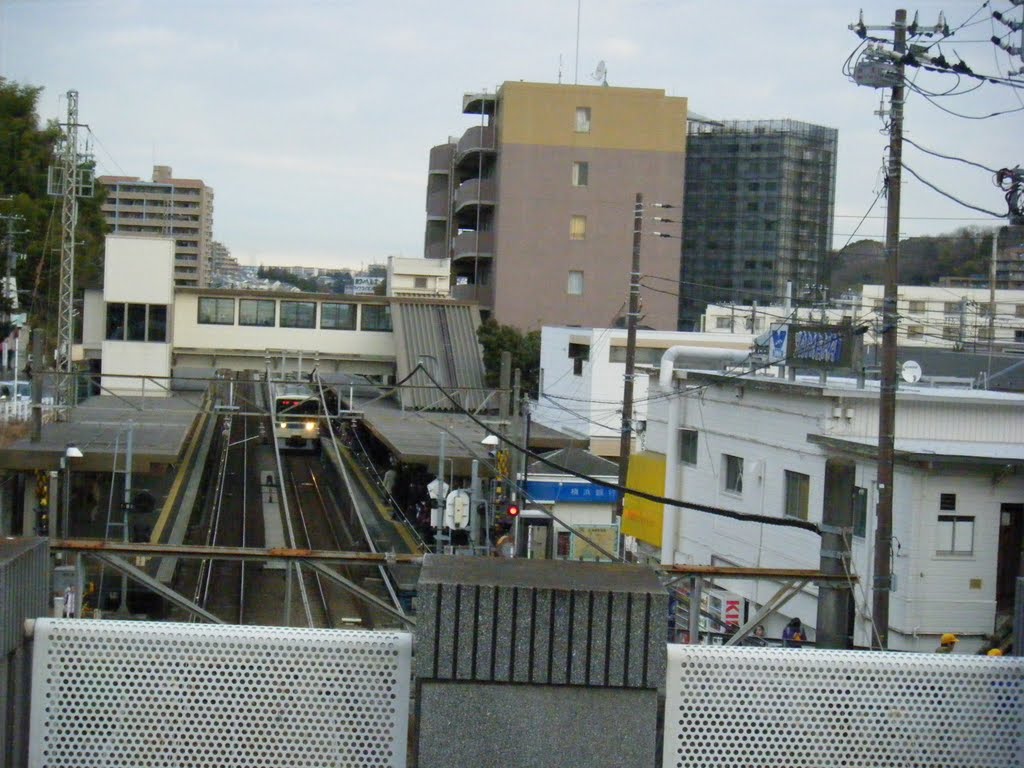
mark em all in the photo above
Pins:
pixel 297 406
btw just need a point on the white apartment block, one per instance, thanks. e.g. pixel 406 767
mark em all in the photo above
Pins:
pixel 760 445
pixel 166 207
pixel 428 278
pixel 583 370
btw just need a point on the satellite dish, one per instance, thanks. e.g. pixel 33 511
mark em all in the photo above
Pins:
pixel 601 73
pixel 911 372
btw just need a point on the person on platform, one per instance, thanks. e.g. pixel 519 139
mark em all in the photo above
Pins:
pixel 947 642
pixel 793 635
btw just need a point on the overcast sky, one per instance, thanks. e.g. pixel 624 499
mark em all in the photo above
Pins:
pixel 313 120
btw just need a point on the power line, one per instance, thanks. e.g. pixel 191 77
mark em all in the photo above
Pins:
pixel 955 199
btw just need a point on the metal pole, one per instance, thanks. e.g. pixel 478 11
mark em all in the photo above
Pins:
pixel 695 589
pixel 474 500
pixel 832 628
pixel 37 391
pixel 887 385
pixel 626 433
pixel 1018 619
pixel 992 301
pixel 64 394
pixel 125 504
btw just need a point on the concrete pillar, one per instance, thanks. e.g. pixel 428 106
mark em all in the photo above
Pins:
pixel 835 598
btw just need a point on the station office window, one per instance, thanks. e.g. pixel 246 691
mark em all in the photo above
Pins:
pixel 579 354
pixel 136 322
pixel 798 488
pixel 688 446
pixel 338 317
pixel 954 534
pixel 376 317
pixel 580 172
pixel 582 119
pixel 298 314
pixel 216 311
pixel 259 312
pixel 733 473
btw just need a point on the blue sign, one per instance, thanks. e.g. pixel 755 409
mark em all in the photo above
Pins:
pixel 580 493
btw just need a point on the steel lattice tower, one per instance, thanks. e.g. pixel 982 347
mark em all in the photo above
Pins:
pixel 69 219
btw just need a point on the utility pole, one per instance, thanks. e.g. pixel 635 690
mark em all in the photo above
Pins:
pixel 887 391
pixel 880 69
pixel 626 435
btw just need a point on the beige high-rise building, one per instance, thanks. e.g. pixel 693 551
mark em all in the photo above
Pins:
pixel 181 209
pixel 534 205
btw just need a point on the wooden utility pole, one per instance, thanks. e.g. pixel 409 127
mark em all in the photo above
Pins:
pixel 626 436
pixel 887 391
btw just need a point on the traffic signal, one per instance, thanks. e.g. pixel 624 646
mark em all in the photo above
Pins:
pixel 513 510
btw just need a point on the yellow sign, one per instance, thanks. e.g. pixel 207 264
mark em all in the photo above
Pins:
pixel 641 518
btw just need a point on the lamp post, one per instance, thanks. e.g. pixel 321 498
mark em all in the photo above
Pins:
pixel 71 451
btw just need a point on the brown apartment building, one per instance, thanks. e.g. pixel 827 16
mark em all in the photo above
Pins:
pixel 534 204
pixel 180 209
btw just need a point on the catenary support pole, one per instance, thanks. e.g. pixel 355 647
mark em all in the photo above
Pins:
pixel 887 391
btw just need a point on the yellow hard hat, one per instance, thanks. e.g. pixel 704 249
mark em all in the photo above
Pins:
pixel 948 639
pixel 994 652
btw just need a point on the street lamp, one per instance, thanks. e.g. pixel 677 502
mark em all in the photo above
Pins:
pixel 71 451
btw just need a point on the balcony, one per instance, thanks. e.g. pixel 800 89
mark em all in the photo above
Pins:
pixel 480 138
pixel 441 158
pixel 473 244
pixel 481 294
pixel 437 205
pixel 475 192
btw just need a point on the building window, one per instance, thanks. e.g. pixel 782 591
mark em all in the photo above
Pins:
pixel 575 286
pixel 951 307
pixel 578 227
pixel 580 172
pixel 298 314
pixel 798 488
pixel 915 306
pixel 1018 335
pixel 115 322
pixel 376 317
pixel 954 535
pixel 733 473
pixel 579 354
pixel 1020 310
pixel 419 282
pixel 723 322
pixel 985 308
pixel 338 317
pixel 260 312
pixel 947 502
pixel 951 333
pixel 860 511
pixel 688 446
pixel 582 119
pixel 985 334
pixel 216 311
pixel 915 331
pixel 157 323
pixel 136 322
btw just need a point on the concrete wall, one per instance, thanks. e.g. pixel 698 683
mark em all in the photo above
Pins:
pixel 136 360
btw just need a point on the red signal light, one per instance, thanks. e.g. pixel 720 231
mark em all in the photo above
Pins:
pixel 513 510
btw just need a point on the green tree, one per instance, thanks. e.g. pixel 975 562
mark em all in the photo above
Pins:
pixel 525 349
pixel 307 284
pixel 26 154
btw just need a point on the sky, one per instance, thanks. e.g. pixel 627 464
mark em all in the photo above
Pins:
pixel 313 119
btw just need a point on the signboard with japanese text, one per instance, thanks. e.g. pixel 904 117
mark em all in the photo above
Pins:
pixel 550 492
pixel 815 346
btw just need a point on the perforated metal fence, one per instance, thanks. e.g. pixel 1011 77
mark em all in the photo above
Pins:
pixel 729 706
pixel 149 695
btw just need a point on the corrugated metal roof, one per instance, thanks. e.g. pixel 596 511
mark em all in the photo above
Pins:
pixel 445 335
